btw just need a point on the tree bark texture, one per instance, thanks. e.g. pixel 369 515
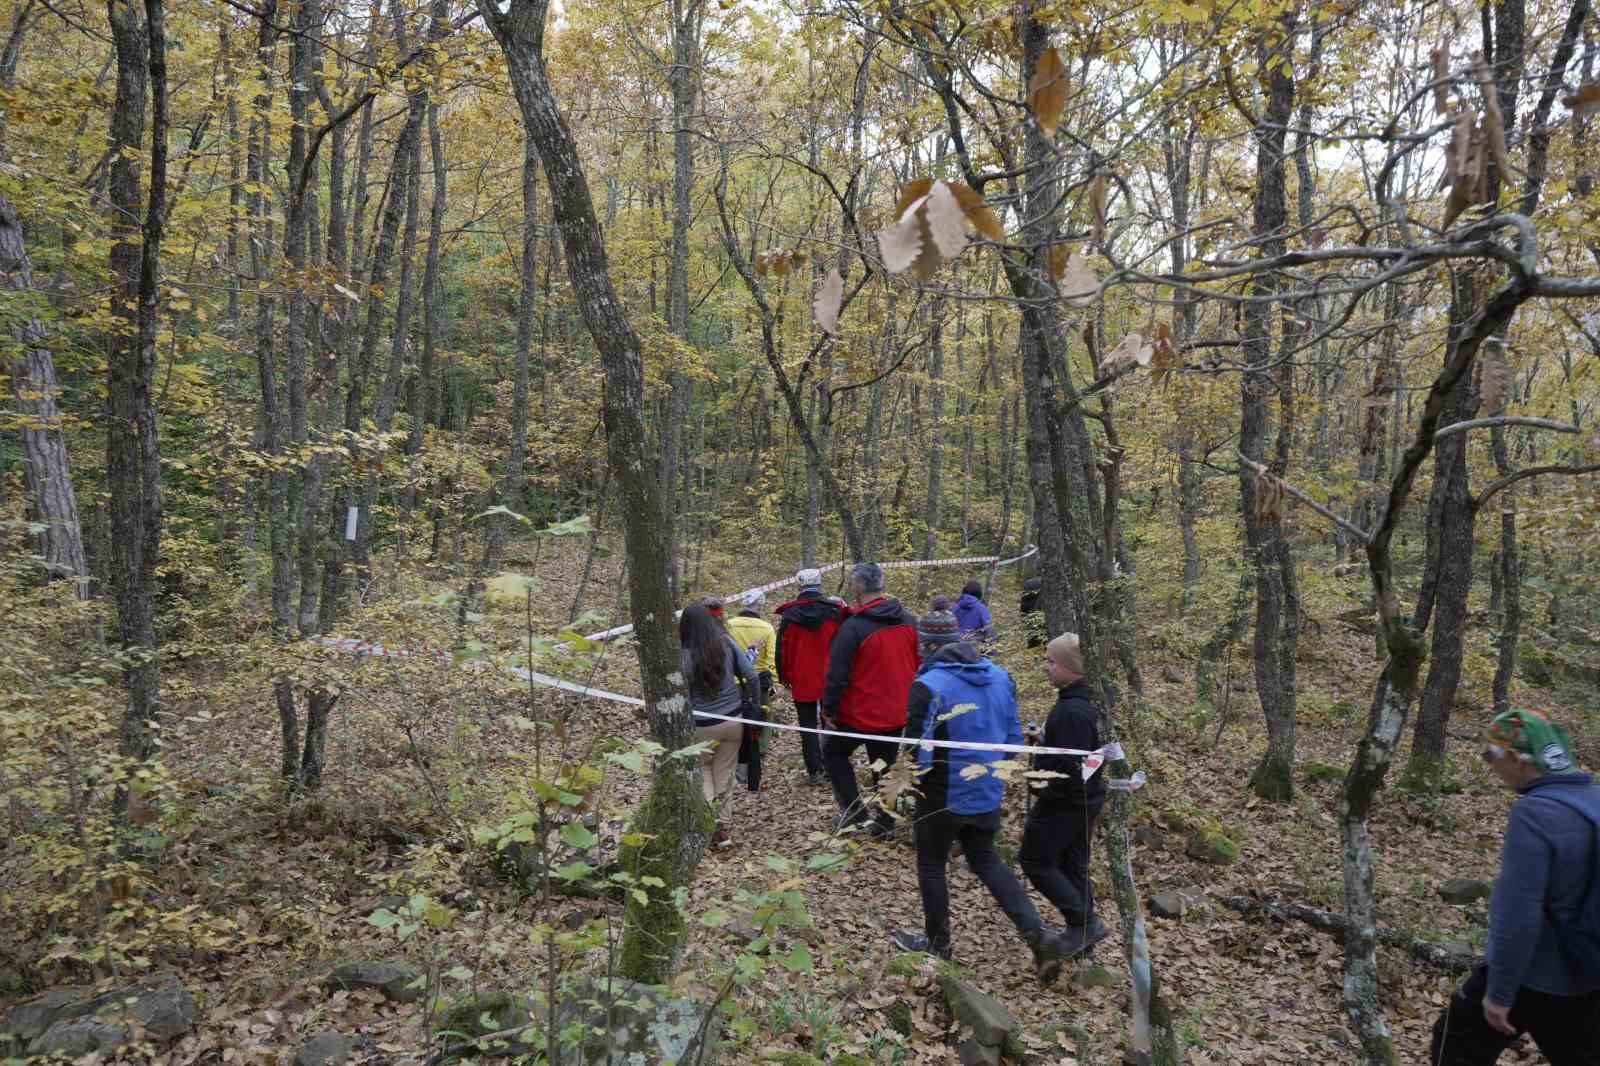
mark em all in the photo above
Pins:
pixel 46 466
pixel 133 460
pixel 1265 545
pixel 673 817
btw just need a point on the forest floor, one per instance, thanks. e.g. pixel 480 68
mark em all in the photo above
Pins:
pixel 256 899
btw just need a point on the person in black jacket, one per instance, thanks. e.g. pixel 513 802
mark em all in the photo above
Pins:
pixel 1056 836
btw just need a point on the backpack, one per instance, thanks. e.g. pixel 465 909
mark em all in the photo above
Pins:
pixel 1581 939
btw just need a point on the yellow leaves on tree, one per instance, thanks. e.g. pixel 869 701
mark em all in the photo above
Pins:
pixel 1047 91
pixel 930 226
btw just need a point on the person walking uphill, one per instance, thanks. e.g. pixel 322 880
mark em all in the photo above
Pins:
pixel 961 696
pixel 714 667
pixel 755 636
pixel 972 615
pixel 806 627
pixel 1056 835
pixel 870 668
pixel 1542 976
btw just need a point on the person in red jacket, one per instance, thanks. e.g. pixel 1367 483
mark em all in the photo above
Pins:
pixel 871 666
pixel 806 627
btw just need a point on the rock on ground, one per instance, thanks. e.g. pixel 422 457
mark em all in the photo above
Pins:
pixel 1462 890
pixel 326 1049
pixel 399 984
pixel 75 1022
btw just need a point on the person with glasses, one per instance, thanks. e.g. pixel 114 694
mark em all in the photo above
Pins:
pixel 1542 976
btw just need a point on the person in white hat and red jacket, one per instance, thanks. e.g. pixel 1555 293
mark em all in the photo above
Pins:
pixel 806 627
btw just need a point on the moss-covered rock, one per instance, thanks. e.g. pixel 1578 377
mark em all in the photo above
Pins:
pixel 898 1015
pixel 1212 846
pixel 907 965
pixel 1315 772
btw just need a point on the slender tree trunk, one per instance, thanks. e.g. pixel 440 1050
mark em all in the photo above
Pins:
pixel 133 460
pixel 1273 777
pixel 673 820
pixel 1509 565
pixel 935 436
pixel 510 489
pixel 46 468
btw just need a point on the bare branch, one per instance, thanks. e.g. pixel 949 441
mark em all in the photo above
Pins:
pixel 1503 420
pixel 1532 471
pixel 1343 523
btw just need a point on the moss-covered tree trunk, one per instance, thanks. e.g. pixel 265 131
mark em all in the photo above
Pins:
pixel 673 821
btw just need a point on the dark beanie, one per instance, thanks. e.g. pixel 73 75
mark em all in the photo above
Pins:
pixel 938 627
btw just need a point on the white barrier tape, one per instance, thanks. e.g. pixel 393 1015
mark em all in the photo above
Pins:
pixel 617 631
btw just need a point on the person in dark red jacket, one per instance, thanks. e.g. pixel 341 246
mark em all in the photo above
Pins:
pixel 870 669
pixel 806 627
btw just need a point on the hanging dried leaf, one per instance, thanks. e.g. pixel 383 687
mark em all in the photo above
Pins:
pixel 1494 378
pixel 1586 100
pixel 946 221
pixel 979 213
pixel 911 197
pixel 900 243
pixel 779 264
pixel 761 265
pixel 1133 348
pixel 1441 80
pixel 1269 498
pixel 1494 127
pixel 830 296
pixel 1057 260
pixel 1047 91
pixel 1097 207
pixel 1078 284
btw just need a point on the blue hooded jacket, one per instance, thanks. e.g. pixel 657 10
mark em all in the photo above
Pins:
pixel 1546 873
pixel 956 676
pixel 971 615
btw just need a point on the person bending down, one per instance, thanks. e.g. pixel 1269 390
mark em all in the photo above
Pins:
pixel 961 696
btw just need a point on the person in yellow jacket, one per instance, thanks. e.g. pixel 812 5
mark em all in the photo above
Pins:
pixel 756 637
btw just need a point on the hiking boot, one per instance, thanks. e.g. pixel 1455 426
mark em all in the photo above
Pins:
pixel 741 774
pixel 721 839
pixel 879 831
pixel 816 778
pixel 1049 952
pixel 1082 939
pixel 906 940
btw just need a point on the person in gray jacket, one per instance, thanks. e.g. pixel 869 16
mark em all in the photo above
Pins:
pixel 1542 976
pixel 714 669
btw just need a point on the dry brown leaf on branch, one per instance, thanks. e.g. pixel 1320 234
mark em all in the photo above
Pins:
pixel 779 264
pixel 911 195
pixel 1133 348
pixel 1466 167
pixel 1441 80
pixel 1269 497
pixel 978 211
pixel 1494 378
pixel 1078 285
pixel 1585 100
pixel 1165 358
pixel 1494 127
pixel 1097 207
pixel 761 265
pixel 900 242
pixel 825 309
pixel 946 222
pixel 1047 91
pixel 1056 260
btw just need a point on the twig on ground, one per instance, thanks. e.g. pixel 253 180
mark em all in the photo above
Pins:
pixel 1427 951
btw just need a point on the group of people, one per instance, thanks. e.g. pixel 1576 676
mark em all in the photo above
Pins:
pixel 868 674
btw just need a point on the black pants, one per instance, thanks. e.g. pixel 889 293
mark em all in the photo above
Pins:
pixel 836 752
pixel 1055 856
pixel 810 746
pixel 1566 1028
pixel 936 830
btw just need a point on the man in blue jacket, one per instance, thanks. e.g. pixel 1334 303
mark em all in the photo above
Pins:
pixel 959 695
pixel 1543 970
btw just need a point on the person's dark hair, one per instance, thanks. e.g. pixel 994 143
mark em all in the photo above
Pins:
pixel 702 636
pixel 973 588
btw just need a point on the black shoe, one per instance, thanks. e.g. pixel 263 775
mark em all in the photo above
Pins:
pixel 816 778
pixel 1081 940
pixel 906 940
pixel 879 831
pixel 1049 952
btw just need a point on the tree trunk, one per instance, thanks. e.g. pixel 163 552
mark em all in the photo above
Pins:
pixel 1509 566
pixel 46 469
pixel 1273 777
pixel 672 819
pixel 935 437
pixel 133 460
pixel 510 488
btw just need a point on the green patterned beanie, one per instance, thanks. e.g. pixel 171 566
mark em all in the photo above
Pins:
pixel 1532 733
